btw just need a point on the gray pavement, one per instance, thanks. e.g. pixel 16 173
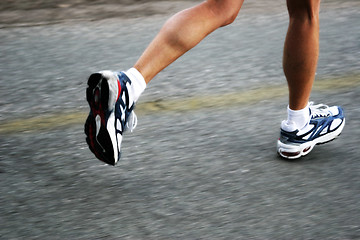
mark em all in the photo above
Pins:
pixel 199 173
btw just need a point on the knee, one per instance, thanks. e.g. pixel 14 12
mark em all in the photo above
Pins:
pixel 306 11
pixel 225 10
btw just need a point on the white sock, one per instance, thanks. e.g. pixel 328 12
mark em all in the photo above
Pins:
pixel 138 83
pixel 297 119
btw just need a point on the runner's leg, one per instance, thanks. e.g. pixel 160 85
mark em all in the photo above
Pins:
pixel 301 50
pixel 183 31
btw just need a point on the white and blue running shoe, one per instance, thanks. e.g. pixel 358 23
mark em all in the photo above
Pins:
pixel 326 123
pixel 111 113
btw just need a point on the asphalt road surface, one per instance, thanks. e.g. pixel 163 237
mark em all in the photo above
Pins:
pixel 201 163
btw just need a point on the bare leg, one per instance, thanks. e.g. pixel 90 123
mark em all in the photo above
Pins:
pixel 183 31
pixel 301 50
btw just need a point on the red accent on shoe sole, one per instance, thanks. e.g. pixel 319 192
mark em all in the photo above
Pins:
pixel 290 154
pixel 306 149
pixel 119 88
pixel 92 141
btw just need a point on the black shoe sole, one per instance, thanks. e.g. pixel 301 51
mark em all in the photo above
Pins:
pixel 97 95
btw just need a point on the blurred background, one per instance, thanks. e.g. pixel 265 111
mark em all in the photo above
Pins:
pixel 202 162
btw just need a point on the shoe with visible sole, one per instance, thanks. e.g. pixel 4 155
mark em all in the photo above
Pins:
pixel 111 113
pixel 326 123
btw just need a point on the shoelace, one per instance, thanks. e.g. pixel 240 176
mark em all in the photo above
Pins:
pixel 319 110
pixel 132 122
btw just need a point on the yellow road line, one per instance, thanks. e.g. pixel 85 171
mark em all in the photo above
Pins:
pixel 57 120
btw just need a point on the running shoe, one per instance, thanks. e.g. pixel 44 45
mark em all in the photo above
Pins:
pixel 326 123
pixel 111 113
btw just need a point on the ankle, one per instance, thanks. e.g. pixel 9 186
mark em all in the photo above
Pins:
pixel 297 119
pixel 138 83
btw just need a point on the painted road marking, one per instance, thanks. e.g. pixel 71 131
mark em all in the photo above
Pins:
pixel 57 120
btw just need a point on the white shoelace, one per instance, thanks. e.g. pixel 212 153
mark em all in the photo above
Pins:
pixel 319 110
pixel 132 122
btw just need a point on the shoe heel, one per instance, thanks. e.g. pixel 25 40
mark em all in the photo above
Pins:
pixel 93 81
pixel 97 94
